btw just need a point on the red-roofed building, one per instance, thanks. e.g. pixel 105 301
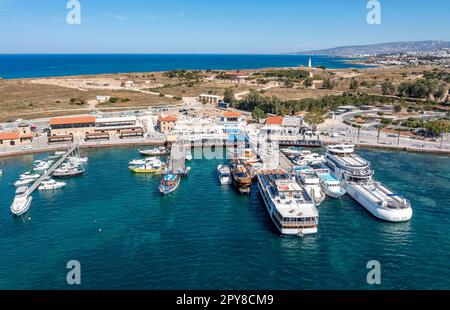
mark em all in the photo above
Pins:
pixel 73 127
pixel 166 123
pixel 232 121
pixel 274 120
pixel 15 138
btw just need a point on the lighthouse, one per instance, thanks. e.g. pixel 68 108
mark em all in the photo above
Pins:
pixel 310 63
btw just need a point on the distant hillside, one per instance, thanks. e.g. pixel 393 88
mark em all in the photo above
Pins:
pixel 378 49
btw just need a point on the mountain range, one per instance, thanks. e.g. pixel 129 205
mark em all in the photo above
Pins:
pixel 379 49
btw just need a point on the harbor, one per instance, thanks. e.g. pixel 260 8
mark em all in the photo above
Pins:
pixel 112 214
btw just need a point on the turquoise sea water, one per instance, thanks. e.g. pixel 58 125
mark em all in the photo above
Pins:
pixel 30 66
pixel 206 236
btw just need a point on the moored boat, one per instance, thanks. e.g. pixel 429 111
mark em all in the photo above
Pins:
pixel 149 166
pixel 51 185
pixel 241 177
pixel 224 174
pixel 154 152
pixel 21 202
pixel 169 183
pixel 288 203
pixel 68 170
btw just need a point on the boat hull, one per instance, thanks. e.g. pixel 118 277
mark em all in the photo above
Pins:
pixel 24 209
pixel 385 214
pixel 283 230
pixel 148 171
pixel 166 190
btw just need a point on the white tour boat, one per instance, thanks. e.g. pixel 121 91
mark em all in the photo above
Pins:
pixel 311 181
pixel 355 175
pixel 289 205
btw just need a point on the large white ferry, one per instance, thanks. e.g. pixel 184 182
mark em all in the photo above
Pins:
pixel 355 175
pixel 289 205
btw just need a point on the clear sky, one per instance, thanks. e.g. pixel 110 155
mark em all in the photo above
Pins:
pixel 227 26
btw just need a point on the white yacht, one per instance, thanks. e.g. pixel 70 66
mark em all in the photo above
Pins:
pixel 307 157
pixel 51 185
pixel 42 165
pixel 76 160
pixel 21 202
pixel 29 176
pixel 289 205
pixel 311 181
pixel 224 173
pixel 328 181
pixel 23 182
pixel 355 175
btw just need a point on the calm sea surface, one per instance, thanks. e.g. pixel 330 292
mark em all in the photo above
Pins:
pixel 206 236
pixel 30 66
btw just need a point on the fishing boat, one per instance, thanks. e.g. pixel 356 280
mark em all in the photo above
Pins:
pixel 149 166
pixel 51 185
pixel 21 202
pixel 169 183
pixel 241 177
pixel 224 174
pixel 68 170
pixel 154 152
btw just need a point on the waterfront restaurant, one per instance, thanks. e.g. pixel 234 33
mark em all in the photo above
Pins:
pixel 69 128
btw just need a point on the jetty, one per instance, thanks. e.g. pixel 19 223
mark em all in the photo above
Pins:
pixel 49 171
pixel 177 159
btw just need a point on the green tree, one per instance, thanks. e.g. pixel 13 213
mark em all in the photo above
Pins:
pixel 315 118
pixel 288 83
pixel 228 96
pixel 308 82
pixel 388 88
pixel 328 84
pixel 354 85
pixel 258 114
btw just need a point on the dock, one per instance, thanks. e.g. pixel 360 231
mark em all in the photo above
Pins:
pixel 49 172
pixel 177 159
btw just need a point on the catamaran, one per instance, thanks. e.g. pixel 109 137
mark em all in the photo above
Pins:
pixel 355 175
pixel 289 205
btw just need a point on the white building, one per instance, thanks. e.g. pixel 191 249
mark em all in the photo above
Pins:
pixel 103 99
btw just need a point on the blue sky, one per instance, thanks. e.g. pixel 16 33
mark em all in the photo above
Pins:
pixel 227 26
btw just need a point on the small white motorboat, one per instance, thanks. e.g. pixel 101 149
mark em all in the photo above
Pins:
pixel 42 165
pixel 29 175
pixel 23 182
pixel 78 160
pixel 21 202
pixel 154 152
pixel 224 174
pixel 51 185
